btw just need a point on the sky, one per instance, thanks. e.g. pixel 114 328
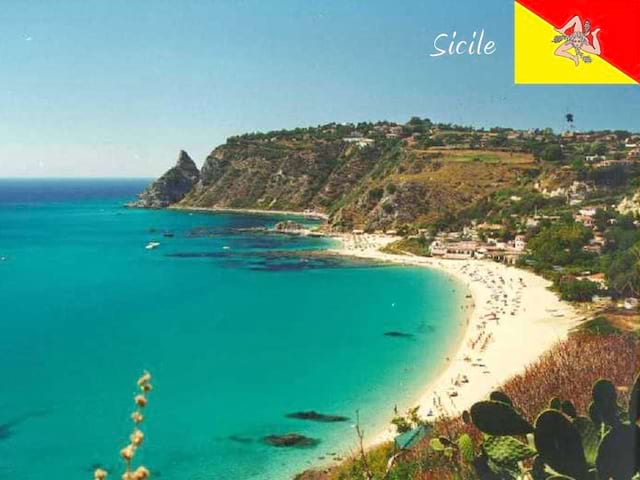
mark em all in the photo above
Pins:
pixel 117 87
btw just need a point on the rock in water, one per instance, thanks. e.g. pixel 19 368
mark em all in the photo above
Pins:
pixel 171 187
pixel 288 225
pixel 290 440
pixel 398 334
pixel 317 417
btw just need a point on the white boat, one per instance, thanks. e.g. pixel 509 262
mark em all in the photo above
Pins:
pixel 152 245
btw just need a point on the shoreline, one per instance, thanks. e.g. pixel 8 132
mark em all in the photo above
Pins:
pixel 256 211
pixel 514 319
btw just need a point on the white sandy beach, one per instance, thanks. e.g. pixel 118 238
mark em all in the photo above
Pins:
pixel 514 320
pixel 256 211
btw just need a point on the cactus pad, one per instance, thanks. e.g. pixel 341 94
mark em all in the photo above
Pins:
pixel 619 453
pixel 498 418
pixel 590 436
pixel 507 450
pixel 605 399
pixel 465 446
pixel 634 401
pixel 555 404
pixel 498 396
pixel 559 444
pixel 569 409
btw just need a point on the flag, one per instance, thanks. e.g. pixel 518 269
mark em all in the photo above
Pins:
pixel 577 41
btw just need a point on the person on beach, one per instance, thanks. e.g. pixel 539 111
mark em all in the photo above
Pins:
pixel 577 40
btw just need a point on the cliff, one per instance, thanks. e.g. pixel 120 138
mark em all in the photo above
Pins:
pixel 365 176
pixel 170 187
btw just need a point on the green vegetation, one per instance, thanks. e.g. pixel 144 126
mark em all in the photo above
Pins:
pixel 558 444
pixel 577 290
pixel 559 245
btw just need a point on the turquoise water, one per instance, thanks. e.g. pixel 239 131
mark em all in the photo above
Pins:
pixel 238 329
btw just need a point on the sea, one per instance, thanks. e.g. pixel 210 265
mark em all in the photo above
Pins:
pixel 239 329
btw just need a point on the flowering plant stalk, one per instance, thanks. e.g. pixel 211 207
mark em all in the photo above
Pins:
pixel 136 438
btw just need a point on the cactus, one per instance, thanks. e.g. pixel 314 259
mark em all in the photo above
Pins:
pixel 497 418
pixel 634 401
pixel 590 438
pixel 603 446
pixel 555 404
pixel 507 450
pixel 436 445
pixel 594 414
pixel 466 417
pixel 466 448
pixel 498 396
pixel 605 401
pixel 569 409
pixel 619 453
pixel 559 444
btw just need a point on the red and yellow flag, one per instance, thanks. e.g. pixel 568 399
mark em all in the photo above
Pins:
pixel 577 41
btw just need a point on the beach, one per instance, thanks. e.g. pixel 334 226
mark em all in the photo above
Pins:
pixel 514 319
pixel 253 211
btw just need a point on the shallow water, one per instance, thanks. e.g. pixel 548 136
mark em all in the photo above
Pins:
pixel 238 329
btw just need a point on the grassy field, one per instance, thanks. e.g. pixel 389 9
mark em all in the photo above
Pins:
pixel 484 156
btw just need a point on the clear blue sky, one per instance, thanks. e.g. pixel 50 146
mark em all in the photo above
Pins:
pixel 117 87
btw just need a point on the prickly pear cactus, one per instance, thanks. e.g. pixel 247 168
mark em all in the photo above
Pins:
pixel 569 409
pixel 605 402
pixel 559 444
pixel 590 438
pixel 555 404
pixel 466 448
pixel 498 396
pixel 498 418
pixel 619 453
pixel 634 401
pixel 507 450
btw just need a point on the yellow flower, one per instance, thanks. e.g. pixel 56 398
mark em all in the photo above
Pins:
pixel 128 452
pixel 141 473
pixel 145 378
pixel 99 474
pixel 137 437
pixel 137 417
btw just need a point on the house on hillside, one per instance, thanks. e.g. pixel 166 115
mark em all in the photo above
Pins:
pixel 360 142
pixel 631 303
pixel 597 278
pixel 634 154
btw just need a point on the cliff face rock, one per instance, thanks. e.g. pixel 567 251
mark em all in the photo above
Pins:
pixel 379 185
pixel 171 187
pixel 291 175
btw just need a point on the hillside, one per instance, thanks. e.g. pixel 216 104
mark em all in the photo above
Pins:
pixel 381 176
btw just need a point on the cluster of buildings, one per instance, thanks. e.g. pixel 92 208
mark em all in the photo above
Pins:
pixel 457 245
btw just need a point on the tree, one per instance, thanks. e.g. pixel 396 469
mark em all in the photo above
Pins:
pixel 559 244
pixel 623 273
pixel 552 153
pixel 574 290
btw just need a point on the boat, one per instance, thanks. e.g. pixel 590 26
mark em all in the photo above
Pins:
pixel 152 245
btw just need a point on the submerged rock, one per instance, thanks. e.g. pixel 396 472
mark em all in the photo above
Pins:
pixel 240 439
pixel 398 334
pixel 171 187
pixel 290 440
pixel 317 417
pixel 288 225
